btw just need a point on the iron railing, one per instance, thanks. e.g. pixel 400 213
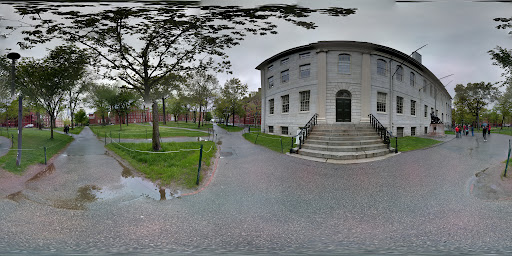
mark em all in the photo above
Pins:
pixel 384 134
pixel 304 132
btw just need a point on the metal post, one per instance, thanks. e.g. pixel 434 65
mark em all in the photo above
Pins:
pixel 281 145
pixel 396 145
pixel 12 140
pixel 508 157
pixel 105 138
pixel 199 168
pixel 256 138
pixel 119 134
pixel 110 136
pixel 44 155
pixel 300 142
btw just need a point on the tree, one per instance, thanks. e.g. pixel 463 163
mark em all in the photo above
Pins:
pixel 253 105
pixel 502 57
pixel 233 93
pixel 176 107
pixel 47 81
pixel 201 89
pixel 99 96
pixel 121 101
pixel 475 96
pixel 81 117
pixel 505 103
pixel 143 44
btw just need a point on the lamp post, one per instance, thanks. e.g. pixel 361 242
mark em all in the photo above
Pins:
pixel 14 56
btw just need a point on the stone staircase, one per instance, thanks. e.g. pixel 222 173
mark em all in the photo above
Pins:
pixel 344 142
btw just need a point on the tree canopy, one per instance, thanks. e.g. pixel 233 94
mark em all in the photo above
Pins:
pixel 475 96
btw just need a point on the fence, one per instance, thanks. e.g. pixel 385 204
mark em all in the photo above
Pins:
pixel 42 149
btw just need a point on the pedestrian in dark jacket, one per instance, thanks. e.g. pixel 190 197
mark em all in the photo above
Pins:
pixel 485 132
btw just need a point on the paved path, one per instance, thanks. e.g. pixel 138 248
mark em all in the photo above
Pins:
pixel 263 202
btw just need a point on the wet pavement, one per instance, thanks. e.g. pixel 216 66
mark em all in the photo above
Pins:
pixel 262 202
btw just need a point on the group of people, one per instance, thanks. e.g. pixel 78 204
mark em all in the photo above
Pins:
pixel 459 130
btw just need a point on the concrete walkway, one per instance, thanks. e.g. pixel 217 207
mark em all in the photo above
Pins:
pixel 262 202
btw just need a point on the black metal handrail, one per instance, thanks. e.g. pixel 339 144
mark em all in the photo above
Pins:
pixel 304 132
pixel 384 134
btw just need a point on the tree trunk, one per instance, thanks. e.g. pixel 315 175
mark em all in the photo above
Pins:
pixel 38 120
pixel 103 119
pixel 51 125
pixel 163 108
pixel 199 123
pixel 233 117
pixel 186 118
pixel 127 119
pixel 156 132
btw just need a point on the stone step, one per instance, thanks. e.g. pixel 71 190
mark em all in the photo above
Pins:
pixel 344 126
pixel 359 148
pixel 344 142
pixel 345 133
pixel 342 138
pixel 344 155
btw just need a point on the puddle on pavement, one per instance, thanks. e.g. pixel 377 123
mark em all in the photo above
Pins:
pixel 137 186
pixel 47 171
pixel 226 154
pixel 85 194
pixel 17 197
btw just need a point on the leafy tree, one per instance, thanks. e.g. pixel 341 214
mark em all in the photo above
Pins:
pixel 143 44
pixel 253 105
pixel 232 93
pixel 99 96
pixel 475 96
pixel 505 103
pixel 176 107
pixel 81 117
pixel 121 101
pixel 502 57
pixel 201 89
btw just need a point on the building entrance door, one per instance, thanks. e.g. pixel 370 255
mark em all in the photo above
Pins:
pixel 343 106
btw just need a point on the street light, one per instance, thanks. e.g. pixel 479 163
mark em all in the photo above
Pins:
pixel 14 56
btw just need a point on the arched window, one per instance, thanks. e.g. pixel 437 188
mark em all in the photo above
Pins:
pixel 399 73
pixel 412 79
pixel 381 67
pixel 343 94
pixel 344 63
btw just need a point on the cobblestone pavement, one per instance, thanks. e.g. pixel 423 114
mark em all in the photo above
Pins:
pixel 263 202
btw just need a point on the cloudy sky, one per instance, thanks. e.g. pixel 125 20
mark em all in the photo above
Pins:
pixel 458 33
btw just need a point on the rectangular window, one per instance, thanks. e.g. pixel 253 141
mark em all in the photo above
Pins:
pixel 286 103
pixel 381 67
pixel 344 64
pixel 426 130
pixel 284 61
pixel 399 105
pixel 305 55
pixel 271 129
pixel 426 109
pixel 413 107
pixel 399 132
pixel 284 130
pixel 413 131
pixel 271 67
pixel 304 101
pixel 381 102
pixel 399 73
pixel 285 76
pixel 271 106
pixel 412 79
pixel 305 71
pixel 270 82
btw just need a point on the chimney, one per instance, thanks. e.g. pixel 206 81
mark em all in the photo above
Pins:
pixel 416 56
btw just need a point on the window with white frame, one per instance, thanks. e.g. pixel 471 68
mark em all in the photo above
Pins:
pixel 271 106
pixel 399 105
pixel 271 129
pixel 413 77
pixel 344 63
pixel 413 107
pixel 381 102
pixel 305 55
pixel 270 82
pixel 285 102
pixel 271 67
pixel 284 61
pixel 284 130
pixel 305 70
pixel 285 76
pixel 381 67
pixel 399 73
pixel 304 100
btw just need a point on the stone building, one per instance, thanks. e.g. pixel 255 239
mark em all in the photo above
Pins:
pixel 344 82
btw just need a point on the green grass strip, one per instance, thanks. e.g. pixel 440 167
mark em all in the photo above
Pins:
pixel 32 139
pixel 170 168
pixel 188 125
pixel 271 141
pixel 449 132
pixel 231 128
pixel 135 131
pixel 77 130
pixel 412 143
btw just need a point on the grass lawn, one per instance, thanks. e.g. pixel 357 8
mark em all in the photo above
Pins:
pixel 449 132
pixel 231 128
pixel 76 130
pixel 134 131
pixel 505 130
pixel 270 141
pixel 409 143
pixel 171 168
pixel 189 125
pixel 32 139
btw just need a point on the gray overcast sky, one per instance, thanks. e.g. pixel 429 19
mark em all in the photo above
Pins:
pixel 458 33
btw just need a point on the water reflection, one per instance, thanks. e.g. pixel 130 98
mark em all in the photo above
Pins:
pixel 137 186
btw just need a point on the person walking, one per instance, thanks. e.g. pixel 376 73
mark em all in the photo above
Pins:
pixel 489 131
pixel 457 131
pixel 485 132
pixel 464 129
pixel 472 131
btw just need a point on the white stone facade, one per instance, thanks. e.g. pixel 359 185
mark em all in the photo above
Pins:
pixel 361 77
